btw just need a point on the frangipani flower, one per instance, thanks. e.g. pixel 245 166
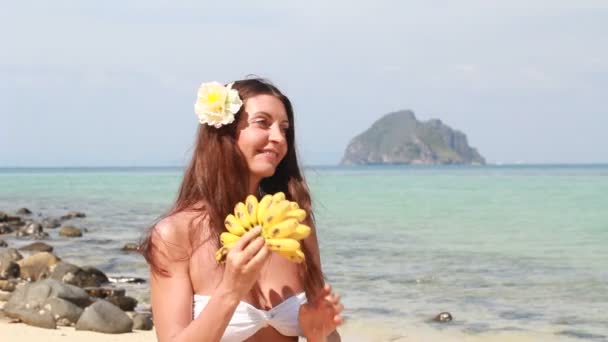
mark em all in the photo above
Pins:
pixel 216 104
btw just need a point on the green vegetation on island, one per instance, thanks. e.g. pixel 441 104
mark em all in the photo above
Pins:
pixel 399 138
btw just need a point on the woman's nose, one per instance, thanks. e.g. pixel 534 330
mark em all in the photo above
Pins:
pixel 276 134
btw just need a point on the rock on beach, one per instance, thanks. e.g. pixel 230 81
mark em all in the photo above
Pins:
pixel 43 291
pixel 104 317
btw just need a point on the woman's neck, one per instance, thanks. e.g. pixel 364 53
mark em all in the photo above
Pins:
pixel 254 185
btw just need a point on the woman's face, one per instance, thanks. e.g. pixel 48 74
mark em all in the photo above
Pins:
pixel 261 135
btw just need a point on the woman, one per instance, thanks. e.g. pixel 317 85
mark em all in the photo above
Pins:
pixel 245 145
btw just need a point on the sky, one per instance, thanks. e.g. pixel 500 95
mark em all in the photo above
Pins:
pixel 112 83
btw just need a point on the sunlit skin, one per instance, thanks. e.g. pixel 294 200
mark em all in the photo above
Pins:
pixel 261 136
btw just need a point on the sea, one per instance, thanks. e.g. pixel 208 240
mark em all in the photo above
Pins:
pixel 500 247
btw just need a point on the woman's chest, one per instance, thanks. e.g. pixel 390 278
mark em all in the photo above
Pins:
pixel 278 279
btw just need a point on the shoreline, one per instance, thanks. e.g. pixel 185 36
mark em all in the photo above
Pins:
pixel 356 332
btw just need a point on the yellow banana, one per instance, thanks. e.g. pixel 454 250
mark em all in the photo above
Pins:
pixel 275 214
pixel 233 225
pixel 278 197
pixel 302 231
pixel 263 206
pixel 221 253
pixel 299 214
pixel 280 220
pixel 227 239
pixel 251 206
pixel 241 214
pixel 297 256
pixel 283 245
pixel 282 229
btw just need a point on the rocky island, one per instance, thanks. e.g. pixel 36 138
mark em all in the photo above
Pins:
pixel 399 138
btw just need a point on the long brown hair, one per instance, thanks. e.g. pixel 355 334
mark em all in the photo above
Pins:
pixel 218 175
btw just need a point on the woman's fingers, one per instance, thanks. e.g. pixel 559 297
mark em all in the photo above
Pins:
pixel 246 239
pixel 333 298
pixel 252 249
pixel 323 293
pixel 259 258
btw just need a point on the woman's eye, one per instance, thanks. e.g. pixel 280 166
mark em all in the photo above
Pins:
pixel 261 123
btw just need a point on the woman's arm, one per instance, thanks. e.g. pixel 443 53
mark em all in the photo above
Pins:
pixel 324 312
pixel 172 294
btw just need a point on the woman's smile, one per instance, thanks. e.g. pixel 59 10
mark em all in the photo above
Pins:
pixel 270 154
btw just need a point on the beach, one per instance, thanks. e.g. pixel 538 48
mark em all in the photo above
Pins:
pixel 17 332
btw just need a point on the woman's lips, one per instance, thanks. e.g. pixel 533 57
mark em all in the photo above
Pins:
pixel 270 154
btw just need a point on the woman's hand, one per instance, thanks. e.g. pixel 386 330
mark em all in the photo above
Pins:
pixel 320 317
pixel 243 264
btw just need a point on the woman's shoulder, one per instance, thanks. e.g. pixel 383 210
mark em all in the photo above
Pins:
pixel 176 228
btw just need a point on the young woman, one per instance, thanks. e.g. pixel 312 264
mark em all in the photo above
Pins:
pixel 245 145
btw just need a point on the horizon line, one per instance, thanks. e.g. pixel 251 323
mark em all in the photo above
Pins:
pixel 314 165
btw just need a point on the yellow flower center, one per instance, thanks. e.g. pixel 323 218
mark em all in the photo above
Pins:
pixel 213 96
pixel 215 100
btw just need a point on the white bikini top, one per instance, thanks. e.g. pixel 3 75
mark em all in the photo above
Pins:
pixel 248 319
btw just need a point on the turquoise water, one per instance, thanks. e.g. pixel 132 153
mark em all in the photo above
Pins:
pixel 501 248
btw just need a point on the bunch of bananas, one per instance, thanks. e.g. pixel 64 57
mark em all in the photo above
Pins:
pixel 281 225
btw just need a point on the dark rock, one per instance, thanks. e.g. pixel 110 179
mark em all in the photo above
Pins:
pixel 3 243
pixel 67 273
pixel 37 266
pixel 125 303
pixel 5 228
pixel 79 276
pixel 130 247
pixel 40 236
pixel 142 322
pixel 103 292
pixel 37 247
pixel 9 267
pixel 64 312
pixel 104 317
pixel 3 216
pixel 69 231
pixel 23 211
pixel 14 220
pixel 34 295
pixel 38 303
pixel 31 229
pixel 73 214
pixel 51 223
pixel 36 317
pixel 443 317
pixel 92 277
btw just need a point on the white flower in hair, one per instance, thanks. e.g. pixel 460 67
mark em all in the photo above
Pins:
pixel 216 104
